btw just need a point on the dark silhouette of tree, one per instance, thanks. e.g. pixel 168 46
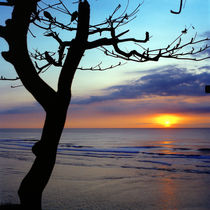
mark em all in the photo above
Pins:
pixel 68 57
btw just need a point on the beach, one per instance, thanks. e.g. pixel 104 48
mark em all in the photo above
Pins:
pixel 115 168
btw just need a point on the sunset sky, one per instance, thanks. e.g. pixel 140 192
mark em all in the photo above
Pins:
pixel 168 93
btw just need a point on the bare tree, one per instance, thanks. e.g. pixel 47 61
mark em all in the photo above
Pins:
pixel 68 57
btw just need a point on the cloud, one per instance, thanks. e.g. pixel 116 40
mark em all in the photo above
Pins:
pixel 172 81
pixel 205 68
pixel 163 90
pixel 27 109
pixel 205 53
pixel 206 34
pixel 156 105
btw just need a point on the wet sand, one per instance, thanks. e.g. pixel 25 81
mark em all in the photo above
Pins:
pixel 81 187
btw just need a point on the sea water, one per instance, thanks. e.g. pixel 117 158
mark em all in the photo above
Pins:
pixel 114 168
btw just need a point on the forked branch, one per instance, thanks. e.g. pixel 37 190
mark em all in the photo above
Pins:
pixel 177 49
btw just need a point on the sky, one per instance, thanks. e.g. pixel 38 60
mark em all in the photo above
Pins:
pixel 167 93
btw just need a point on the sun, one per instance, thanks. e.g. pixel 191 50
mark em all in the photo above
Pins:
pixel 167 120
pixel 167 123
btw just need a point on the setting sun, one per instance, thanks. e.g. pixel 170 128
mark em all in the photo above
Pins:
pixel 167 120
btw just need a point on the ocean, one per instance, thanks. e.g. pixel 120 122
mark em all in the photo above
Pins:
pixel 107 169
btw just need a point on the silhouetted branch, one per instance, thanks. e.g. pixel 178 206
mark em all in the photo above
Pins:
pixel 114 40
pixel 65 8
pixel 171 51
pixel 48 55
pixel 111 24
pixel 51 22
pixel 49 6
pixel 99 68
pixel 9 79
pixel 43 68
pixel 8 3
pixel 122 19
pixel 40 70
pixel 118 21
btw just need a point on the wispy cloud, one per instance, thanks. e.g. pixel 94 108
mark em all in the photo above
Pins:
pixel 172 81
pixel 205 68
pixel 25 109
pixel 154 105
pixel 163 90
pixel 207 51
pixel 206 34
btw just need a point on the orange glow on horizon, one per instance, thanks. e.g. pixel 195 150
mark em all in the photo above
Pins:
pixel 84 120
pixel 167 120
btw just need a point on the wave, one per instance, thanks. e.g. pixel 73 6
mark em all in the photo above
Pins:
pixel 139 157
pixel 172 156
pixel 169 169
pixel 67 148
pixel 156 162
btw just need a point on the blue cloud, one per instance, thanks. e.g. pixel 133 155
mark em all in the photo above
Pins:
pixel 169 82
pixel 207 51
pixel 151 107
pixel 206 34
pixel 205 67
pixel 33 108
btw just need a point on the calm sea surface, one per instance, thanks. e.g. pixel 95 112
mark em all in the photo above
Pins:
pixel 115 168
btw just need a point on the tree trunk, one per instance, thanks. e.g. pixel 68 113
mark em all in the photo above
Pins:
pixel 54 103
pixel 32 186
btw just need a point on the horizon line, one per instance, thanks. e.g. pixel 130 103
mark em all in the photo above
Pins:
pixel 166 128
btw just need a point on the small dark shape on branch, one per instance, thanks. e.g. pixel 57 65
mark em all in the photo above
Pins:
pixel 74 16
pixel 48 15
pixel 184 31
